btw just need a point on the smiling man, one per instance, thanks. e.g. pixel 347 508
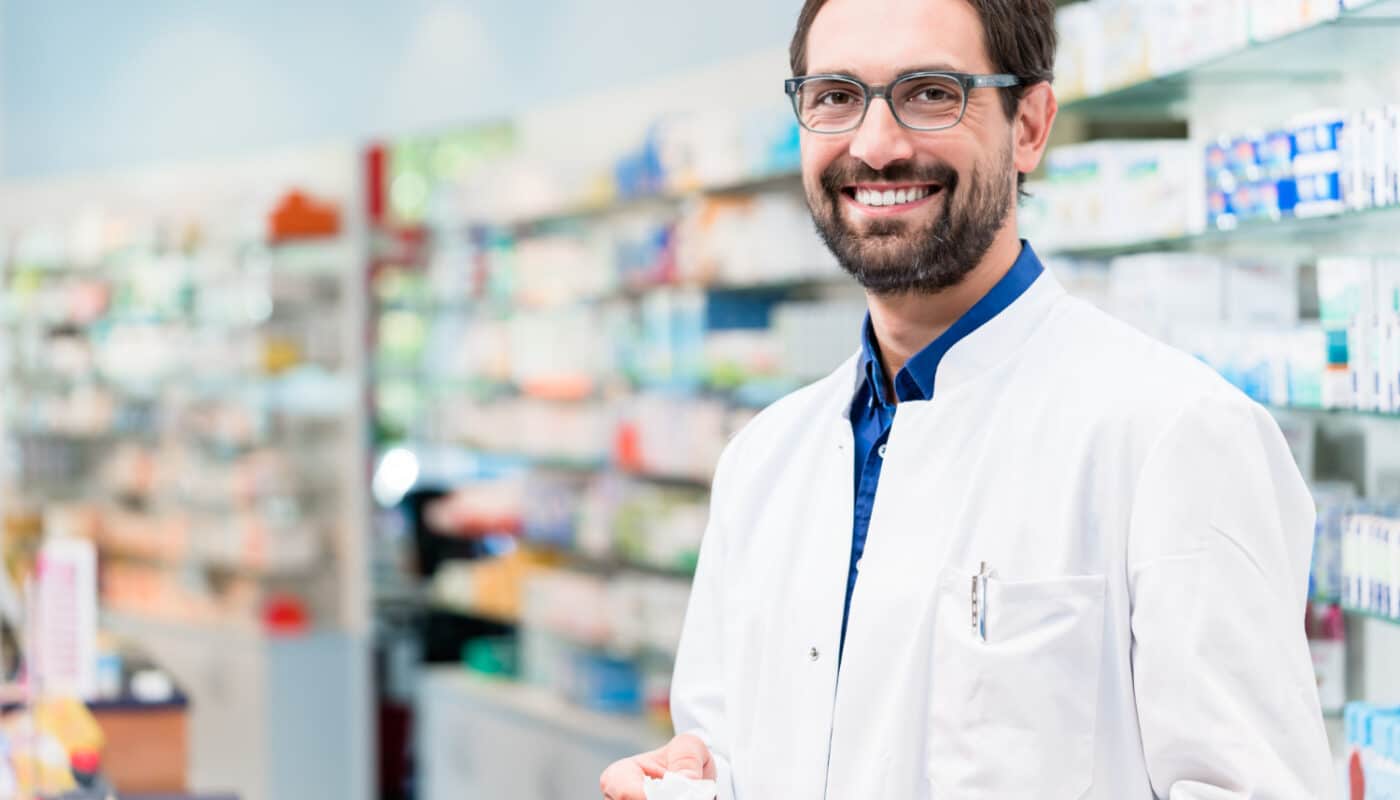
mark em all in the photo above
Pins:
pixel 1012 548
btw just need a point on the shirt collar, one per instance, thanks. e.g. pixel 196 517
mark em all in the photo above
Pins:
pixel 916 380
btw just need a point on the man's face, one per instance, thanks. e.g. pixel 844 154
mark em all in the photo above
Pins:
pixel 959 184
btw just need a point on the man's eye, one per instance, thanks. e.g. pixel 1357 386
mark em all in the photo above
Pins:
pixel 932 95
pixel 836 98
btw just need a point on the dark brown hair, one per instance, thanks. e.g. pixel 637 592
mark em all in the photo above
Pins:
pixel 1019 37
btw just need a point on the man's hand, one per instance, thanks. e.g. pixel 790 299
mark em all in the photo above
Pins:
pixel 685 754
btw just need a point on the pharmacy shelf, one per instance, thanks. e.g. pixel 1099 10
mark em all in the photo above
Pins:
pixel 775 181
pixel 674 481
pixel 614 565
pixel 1284 232
pixel 565 463
pixel 1320 54
pixel 446 606
pixel 190 562
pixel 600 465
pixel 1334 412
pixel 465 307
pixel 1370 614
pixel 798 283
pixel 472 306
pixel 556 463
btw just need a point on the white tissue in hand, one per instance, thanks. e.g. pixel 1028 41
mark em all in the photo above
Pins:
pixel 675 786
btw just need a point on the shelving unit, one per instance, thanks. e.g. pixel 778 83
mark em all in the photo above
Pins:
pixel 1307 235
pixel 1375 615
pixel 187 392
pixel 1311 55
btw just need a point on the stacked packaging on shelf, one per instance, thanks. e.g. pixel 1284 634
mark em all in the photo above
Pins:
pixel 603 642
pixel 193 381
pixel 1108 44
pixel 1371 561
pixel 1319 164
pixel 1359 305
pixel 1277 173
pixel 1244 319
pixel 1322 163
pixel 676 155
pixel 610 520
pixel 1373 744
pixel 1335 502
pixel 1371 158
pixel 750 240
pixel 1111 192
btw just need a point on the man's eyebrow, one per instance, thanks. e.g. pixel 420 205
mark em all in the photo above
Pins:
pixel 851 73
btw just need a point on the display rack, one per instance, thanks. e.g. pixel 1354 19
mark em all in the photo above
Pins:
pixel 185 388
pixel 1318 55
pixel 1307 235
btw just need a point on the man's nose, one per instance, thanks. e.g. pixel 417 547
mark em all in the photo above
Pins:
pixel 881 140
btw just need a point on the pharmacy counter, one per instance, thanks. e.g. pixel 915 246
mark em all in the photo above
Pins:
pixel 479 737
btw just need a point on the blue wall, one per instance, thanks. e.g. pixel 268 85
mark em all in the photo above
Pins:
pixel 91 85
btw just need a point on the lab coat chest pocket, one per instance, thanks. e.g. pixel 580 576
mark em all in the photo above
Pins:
pixel 1011 712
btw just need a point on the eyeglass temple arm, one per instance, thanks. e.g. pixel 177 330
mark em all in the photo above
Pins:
pixel 993 81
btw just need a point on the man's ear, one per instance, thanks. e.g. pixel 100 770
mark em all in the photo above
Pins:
pixel 1035 115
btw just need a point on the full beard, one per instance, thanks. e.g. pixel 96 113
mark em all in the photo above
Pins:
pixel 894 257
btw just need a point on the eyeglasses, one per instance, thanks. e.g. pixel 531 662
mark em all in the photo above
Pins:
pixel 920 101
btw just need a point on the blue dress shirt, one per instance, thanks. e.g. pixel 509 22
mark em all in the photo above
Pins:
pixel 872 410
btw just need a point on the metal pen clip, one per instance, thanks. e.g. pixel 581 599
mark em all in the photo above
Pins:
pixel 979 602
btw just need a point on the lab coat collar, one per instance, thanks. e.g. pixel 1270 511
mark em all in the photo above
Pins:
pixel 988 345
pixel 918 379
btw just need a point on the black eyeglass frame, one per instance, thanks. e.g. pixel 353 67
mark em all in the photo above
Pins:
pixel 968 82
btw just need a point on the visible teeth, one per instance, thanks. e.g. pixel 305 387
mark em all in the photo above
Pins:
pixel 891 197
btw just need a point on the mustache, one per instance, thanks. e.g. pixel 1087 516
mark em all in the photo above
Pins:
pixel 845 172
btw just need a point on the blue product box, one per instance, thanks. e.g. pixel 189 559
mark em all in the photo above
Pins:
pixel 605 683
pixel 1286 194
pixel 1220 210
pixel 1277 153
pixel 1243 159
pixel 1322 136
pixel 1319 195
pixel 1217 161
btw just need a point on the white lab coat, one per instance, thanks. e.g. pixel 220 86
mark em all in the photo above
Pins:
pixel 1150 539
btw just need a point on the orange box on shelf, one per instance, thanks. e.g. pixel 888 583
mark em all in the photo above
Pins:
pixel 299 216
pixel 147 750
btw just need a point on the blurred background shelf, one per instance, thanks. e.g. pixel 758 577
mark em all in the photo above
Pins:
pixel 1368 614
pixel 1299 234
pixel 1321 55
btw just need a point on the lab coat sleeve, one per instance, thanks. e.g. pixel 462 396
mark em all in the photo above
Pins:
pixel 698 703
pixel 1219 546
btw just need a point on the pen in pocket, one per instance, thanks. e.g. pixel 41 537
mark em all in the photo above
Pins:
pixel 979 602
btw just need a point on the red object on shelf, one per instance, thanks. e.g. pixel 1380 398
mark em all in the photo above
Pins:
pixel 376 183
pixel 87 762
pixel 1356 774
pixel 286 615
pixel 300 216
pixel 629 448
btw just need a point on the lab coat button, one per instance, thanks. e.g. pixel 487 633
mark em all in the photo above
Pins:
pixel 814 654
